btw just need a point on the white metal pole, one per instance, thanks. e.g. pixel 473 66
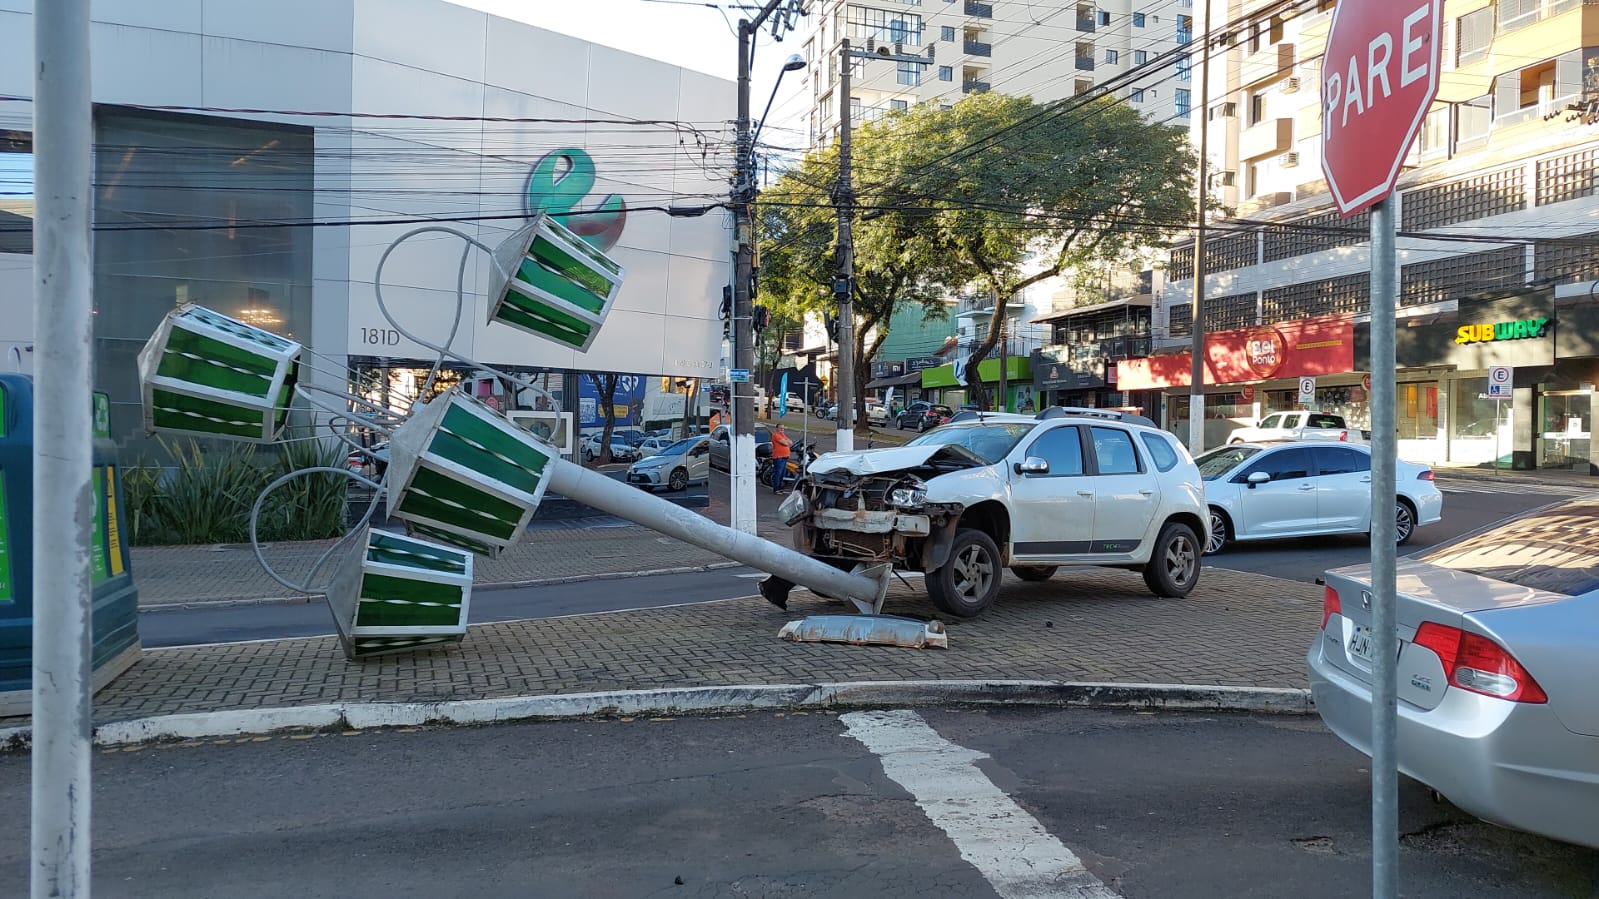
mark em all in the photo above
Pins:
pixel 1385 636
pixel 63 505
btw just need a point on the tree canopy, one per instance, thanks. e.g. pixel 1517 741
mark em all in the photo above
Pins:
pixel 992 195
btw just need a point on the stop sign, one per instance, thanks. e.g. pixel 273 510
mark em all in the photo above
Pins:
pixel 1378 79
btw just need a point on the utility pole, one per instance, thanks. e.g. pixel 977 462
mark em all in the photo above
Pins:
pixel 742 457
pixel 844 201
pixel 1196 389
pixel 62 499
pixel 844 280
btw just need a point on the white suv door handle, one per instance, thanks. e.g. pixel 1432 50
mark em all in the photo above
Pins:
pixel 1085 493
pixel 1147 492
pixel 1366 479
pixel 1307 486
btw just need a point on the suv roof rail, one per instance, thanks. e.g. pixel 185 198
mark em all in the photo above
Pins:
pixel 1087 412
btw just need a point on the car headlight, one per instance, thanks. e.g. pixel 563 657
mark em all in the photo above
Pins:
pixel 792 509
pixel 908 494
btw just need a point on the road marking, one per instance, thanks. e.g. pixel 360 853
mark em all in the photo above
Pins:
pixel 1012 850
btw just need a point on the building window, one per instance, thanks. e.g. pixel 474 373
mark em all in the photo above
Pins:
pixel 1138 20
pixel 1085 56
pixel 1110 57
pixel 1104 17
pixel 946 73
pixel 1257 108
pixel 1185 29
pixel 16 192
pixel 1138 95
pixel 947 33
pixel 1182 101
pixel 910 73
pixel 884 26
pixel 1473 118
pixel 1083 86
pixel 1474 31
pixel 898 105
pixel 197 171
pixel 1140 57
pixel 1185 68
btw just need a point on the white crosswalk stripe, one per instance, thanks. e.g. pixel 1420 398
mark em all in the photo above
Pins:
pixel 1554 492
pixel 1015 853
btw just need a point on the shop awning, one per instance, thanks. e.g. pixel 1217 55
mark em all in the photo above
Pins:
pixel 914 377
pixel 1316 346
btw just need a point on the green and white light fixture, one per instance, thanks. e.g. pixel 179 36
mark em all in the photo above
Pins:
pixel 206 374
pixel 394 593
pixel 460 473
pixel 550 282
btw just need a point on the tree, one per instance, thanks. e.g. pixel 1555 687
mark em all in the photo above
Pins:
pixel 799 228
pixel 605 384
pixel 1013 193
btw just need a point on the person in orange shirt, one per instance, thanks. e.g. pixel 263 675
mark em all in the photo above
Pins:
pixel 780 453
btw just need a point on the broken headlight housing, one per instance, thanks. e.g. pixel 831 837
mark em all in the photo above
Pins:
pixel 793 509
pixel 908 495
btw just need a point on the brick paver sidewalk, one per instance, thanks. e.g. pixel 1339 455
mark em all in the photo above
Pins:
pixel 1084 625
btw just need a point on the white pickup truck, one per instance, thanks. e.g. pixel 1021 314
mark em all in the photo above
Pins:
pixel 1281 426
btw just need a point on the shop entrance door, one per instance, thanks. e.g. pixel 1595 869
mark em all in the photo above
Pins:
pixel 1566 422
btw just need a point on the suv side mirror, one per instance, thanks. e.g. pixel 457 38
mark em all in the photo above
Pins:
pixel 1256 478
pixel 1032 465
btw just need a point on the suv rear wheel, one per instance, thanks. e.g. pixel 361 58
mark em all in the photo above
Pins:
pixel 969 581
pixel 1173 567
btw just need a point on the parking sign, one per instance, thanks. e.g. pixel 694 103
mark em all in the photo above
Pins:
pixel 1307 390
pixel 1499 382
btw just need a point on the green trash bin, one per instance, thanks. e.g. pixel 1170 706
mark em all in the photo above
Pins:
pixel 116 600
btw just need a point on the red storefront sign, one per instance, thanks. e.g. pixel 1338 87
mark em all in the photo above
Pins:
pixel 1288 350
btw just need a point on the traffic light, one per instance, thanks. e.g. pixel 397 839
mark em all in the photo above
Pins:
pixel 760 317
pixel 727 310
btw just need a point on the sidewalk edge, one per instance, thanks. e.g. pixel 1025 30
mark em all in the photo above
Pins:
pixel 690 700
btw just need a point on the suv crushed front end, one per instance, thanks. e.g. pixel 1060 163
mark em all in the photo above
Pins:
pixel 872 507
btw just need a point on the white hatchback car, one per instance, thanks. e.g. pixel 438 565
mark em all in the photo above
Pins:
pixel 968 499
pixel 1308 489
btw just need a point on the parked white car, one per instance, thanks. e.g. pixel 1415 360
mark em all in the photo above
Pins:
pixel 877 413
pixel 652 445
pixel 1280 426
pixel 965 500
pixel 1257 492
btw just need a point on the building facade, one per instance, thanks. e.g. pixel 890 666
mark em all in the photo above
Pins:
pixel 1496 204
pixel 1047 51
pixel 260 160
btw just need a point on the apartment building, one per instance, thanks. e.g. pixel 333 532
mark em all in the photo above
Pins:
pixel 1498 207
pixel 1045 49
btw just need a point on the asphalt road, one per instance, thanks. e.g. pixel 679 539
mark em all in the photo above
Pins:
pixel 945 803
pixel 1302 560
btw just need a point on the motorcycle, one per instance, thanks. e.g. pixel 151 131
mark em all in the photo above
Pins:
pixel 799 461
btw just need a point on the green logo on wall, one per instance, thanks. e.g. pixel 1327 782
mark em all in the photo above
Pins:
pixel 6 594
pixel 559 182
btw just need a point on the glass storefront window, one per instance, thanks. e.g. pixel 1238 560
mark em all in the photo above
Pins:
pixel 1479 428
pixel 1565 429
pixel 1417 411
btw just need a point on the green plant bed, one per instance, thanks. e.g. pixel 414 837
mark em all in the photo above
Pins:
pixel 205 496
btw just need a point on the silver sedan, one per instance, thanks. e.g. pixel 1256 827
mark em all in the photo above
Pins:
pixel 1499 653
pixel 685 462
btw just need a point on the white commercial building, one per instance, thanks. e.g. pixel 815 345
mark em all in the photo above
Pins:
pixel 260 158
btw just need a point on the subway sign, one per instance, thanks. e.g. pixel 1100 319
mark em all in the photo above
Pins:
pixel 1515 330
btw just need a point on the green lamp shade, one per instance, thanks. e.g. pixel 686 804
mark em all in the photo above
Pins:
pixel 206 374
pixel 460 473
pixel 394 593
pixel 550 282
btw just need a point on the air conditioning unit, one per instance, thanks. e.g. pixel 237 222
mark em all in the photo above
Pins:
pixel 1226 110
pixel 1227 178
pixel 1289 160
pixel 1291 84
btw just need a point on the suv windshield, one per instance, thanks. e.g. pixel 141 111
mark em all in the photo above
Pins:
pixel 1555 549
pixel 1218 462
pixel 990 442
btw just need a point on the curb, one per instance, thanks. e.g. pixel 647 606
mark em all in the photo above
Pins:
pixel 1472 474
pixel 496 585
pixel 691 700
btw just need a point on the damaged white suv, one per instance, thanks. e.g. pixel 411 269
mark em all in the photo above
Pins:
pixel 968 499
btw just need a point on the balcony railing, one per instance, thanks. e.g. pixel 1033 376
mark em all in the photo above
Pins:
pixel 973 86
pixel 978 48
pixel 1085 24
pixel 981 10
pixel 1085 63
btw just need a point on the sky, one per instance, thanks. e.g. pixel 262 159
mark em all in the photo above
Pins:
pixel 684 33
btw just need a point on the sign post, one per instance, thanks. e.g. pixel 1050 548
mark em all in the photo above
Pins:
pixel 1501 383
pixel 1378 80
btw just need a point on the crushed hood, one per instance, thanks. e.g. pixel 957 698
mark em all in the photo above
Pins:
pixel 885 460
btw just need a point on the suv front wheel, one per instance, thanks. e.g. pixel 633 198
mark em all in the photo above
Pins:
pixel 1173 567
pixel 969 581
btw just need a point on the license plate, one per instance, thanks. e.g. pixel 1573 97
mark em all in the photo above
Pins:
pixel 1360 645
